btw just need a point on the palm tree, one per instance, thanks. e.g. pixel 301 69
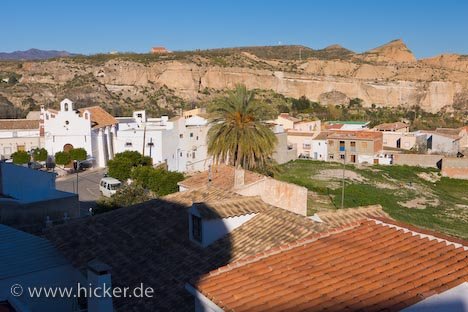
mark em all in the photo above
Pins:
pixel 238 135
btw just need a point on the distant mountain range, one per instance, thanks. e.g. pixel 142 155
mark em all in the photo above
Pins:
pixel 34 54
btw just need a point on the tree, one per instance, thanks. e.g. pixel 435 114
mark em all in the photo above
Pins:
pixel 78 154
pixel 40 154
pixel 20 157
pixel 121 166
pixel 126 196
pixel 62 158
pixel 238 135
pixel 161 182
pixel 301 104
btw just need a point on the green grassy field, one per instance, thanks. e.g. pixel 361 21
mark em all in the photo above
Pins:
pixel 419 196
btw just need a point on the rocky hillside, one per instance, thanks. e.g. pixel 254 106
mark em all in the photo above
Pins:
pixel 385 76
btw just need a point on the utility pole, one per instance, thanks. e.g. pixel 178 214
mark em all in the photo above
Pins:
pixel 144 138
pixel 344 171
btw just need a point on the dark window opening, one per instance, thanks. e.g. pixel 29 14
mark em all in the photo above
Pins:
pixel 196 228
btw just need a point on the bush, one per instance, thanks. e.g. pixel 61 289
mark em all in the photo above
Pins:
pixel 62 158
pixel 121 166
pixel 20 157
pixel 126 196
pixel 78 154
pixel 40 154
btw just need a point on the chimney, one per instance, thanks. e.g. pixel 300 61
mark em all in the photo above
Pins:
pixel 238 177
pixel 99 276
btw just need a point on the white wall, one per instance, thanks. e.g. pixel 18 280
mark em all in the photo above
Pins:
pixel 214 229
pixel 58 133
pixel 319 150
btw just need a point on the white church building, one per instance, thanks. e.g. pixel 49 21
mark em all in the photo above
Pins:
pixel 91 128
pixel 179 143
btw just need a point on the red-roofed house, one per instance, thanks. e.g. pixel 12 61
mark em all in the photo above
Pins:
pixel 355 146
pixel 369 265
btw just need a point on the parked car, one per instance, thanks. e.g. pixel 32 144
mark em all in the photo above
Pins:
pixel 34 165
pixel 109 186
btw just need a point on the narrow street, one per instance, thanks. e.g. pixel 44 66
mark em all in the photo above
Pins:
pixel 88 187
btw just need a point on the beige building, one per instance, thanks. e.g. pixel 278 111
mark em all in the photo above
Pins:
pixel 404 140
pixel 355 146
pixel 292 123
pixel 392 127
pixel 299 132
pixel 19 135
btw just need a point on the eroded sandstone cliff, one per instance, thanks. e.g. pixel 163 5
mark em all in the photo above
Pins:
pixel 386 76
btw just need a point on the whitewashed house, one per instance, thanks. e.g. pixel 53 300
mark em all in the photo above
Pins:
pixel 91 128
pixel 154 137
pixel 319 146
pixel 19 135
pixel 192 150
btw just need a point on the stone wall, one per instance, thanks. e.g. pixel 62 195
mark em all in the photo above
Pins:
pixel 279 194
pixel 456 168
pixel 419 160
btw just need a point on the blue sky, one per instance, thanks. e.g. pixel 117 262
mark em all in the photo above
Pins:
pixel 84 26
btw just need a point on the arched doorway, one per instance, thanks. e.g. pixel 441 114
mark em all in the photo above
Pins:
pixel 66 148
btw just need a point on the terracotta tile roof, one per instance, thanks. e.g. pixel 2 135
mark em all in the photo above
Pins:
pixel 205 193
pixel 339 217
pixel 19 124
pixel 149 243
pixel 231 207
pixel 356 135
pixel 222 176
pixel 446 134
pixel 370 265
pixel 322 135
pixel 393 126
pixel 289 117
pixel 99 117
pixel 334 126
pixel 292 132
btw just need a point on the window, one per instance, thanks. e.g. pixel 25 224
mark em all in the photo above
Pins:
pixel 197 137
pixel 181 136
pixel 139 115
pixel 342 156
pixel 342 146
pixel 65 107
pixel 67 122
pixel 331 156
pixel 128 144
pixel 196 228
pixel 181 154
pixel 193 155
pixel 191 134
pixel 306 146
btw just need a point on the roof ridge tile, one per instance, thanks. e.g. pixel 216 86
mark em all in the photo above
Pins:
pixel 429 235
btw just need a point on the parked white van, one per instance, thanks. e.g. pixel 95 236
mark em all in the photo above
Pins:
pixel 109 186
